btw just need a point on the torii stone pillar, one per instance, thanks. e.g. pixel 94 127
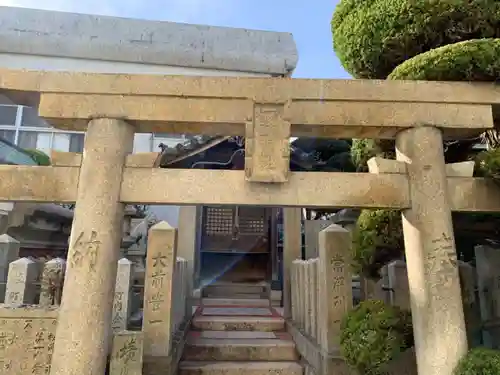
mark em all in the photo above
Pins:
pixel 436 302
pixel 84 321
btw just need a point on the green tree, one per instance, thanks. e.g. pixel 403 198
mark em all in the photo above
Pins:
pixel 446 40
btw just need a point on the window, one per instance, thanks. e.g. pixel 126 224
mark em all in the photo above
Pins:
pixel 76 142
pixel 60 142
pixel 8 115
pixel 48 140
pixel 219 220
pixel 9 135
pixel 29 140
pixel 31 119
pixel 10 154
pixel 35 133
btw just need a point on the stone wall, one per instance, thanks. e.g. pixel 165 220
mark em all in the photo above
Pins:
pixel 309 309
pixel 321 291
pixel 27 336
pixel 33 291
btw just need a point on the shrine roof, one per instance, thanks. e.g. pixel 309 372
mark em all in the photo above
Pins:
pixel 172 157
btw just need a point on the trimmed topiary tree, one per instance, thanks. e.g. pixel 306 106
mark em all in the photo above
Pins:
pixel 479 361
pixel 449 40
pixel 373 334
pixel 471 60
pixel 488 164
pixel 372 37
pixel 377 240
pixel 363 150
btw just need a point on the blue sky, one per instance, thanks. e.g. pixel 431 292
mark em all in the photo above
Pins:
pixel 309 21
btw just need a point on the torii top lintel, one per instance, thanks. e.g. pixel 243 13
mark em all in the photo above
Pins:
pixel 224 105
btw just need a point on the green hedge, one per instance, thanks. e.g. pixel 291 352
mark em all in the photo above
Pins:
pixel 488 164
pixel 479 361
pixel 377 240
pixel 372 37
pixel 363 150
pixel 373 334
pixel 473 60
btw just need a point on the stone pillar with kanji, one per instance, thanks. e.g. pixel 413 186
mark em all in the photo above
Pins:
pixel 84 321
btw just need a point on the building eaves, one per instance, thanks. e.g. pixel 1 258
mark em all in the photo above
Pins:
pixel 83 36
pixel 170 156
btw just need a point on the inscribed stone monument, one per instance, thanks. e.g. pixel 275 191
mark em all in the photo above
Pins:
pixel 26 340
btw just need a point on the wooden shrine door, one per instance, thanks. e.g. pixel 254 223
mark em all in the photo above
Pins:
pixel 235 243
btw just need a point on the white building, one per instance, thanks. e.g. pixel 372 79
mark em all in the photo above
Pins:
pixel 59 41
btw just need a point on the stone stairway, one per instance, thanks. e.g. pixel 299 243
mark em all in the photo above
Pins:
pixel 238 336
pixel 236 290
pixel 254 294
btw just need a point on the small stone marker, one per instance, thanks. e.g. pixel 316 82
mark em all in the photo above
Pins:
pixel 294 281
pixel 179 300
pixel 20 289
pixel 27 337
pixel 126 357
pixel 335 283
pixel 158 315
pixel 313 279
pixel 307 297
pixel 184 289
pixel 122 297
pixel 176 294
pixel 52 282
pixel 298 293
pixel 9 252
pixel 312 229
pixel 398 284
pixel 335 293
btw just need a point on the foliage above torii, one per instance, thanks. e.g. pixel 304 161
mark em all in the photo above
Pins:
pixel 373 37
pixel 447 40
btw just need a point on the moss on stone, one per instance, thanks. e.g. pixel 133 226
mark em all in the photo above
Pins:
pixel 377 240
pixel 372 37
pixel 472 60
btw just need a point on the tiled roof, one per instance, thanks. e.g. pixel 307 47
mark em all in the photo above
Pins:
pixel 194 145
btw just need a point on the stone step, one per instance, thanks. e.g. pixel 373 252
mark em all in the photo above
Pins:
pixel 239 368
pixel 202 349
pixel 236 295
pixel 239 283
pixel 239 323
pixel 235 335
pixel 235 302
pixel 276 303
pixel 229 289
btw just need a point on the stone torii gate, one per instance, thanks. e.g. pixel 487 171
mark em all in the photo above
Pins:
pixel 111 108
